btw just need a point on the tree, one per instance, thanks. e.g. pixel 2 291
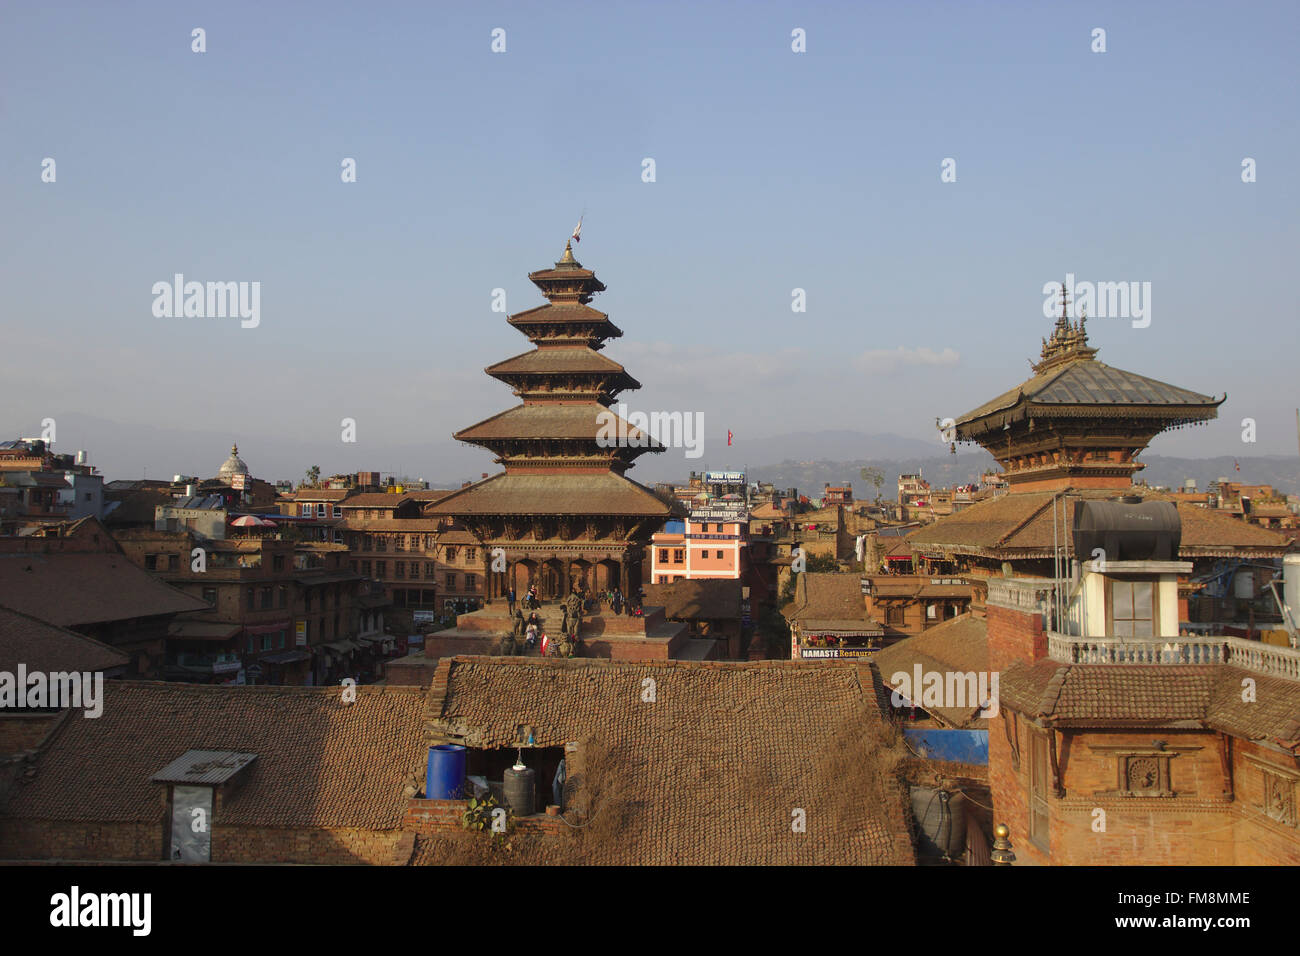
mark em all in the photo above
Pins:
pixel 874 476
pixel 313 475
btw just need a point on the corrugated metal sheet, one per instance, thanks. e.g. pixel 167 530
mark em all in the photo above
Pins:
pixel 211 767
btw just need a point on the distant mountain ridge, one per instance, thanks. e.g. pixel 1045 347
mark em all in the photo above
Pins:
pixel 806 460
pixel 1282 472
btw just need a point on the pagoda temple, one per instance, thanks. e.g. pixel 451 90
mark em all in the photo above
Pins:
pixel 562 511
pixel 1078 423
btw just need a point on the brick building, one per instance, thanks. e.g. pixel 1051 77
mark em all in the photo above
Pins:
pixel 910 604
pixel 75 576
pixel 829 620
pixel 273 610
pixel 1181 751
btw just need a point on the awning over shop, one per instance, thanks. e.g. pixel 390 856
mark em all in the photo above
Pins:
pixel 285 657
pixel 202 631
pixel 340 648
pixel 285 625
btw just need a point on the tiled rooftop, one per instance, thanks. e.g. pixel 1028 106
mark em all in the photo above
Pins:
pixel 711 771
pixel 320 762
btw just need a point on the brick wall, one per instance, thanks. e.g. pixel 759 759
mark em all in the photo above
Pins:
pixel 429 816
pixel 438 646
pixel 1194 827
pixel 1009 786
pixel 1261 840
pixel 64 840
pixel 1014 634
pixel 410 671
pixel 1199 826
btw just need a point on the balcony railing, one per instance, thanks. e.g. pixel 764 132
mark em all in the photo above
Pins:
pixel 1253 656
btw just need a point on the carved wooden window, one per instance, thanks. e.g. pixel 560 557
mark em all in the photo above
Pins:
pixel 1279 798
pixel 1144 773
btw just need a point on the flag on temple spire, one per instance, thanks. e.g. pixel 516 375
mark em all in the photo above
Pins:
pixel 577 229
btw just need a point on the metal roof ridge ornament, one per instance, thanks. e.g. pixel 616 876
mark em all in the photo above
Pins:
pixel 1067 341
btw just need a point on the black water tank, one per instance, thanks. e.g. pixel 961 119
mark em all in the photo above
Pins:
pixel 941 821
pixel 1129 529
pixel 518 785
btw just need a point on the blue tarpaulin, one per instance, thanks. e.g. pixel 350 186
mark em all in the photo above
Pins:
pixel 958 746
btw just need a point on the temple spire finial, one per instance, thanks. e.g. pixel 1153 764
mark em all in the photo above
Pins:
pixel 568 252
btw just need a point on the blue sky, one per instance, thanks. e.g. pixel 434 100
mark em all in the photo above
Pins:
pixel 774 171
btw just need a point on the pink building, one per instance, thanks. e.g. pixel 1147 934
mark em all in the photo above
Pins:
pixel 697 549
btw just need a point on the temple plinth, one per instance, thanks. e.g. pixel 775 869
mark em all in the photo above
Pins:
pixel 562 511
pixel 1078 423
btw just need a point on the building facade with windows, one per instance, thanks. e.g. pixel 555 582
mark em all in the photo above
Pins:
pixel 278 611
pixel 692 550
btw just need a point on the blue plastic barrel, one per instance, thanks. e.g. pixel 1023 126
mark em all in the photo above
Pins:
pixel 445 779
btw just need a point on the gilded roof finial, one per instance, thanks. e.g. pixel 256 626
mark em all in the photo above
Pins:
pixel 568 252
